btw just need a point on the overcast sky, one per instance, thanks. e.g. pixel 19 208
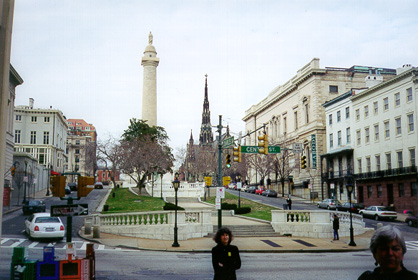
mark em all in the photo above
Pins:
pixel 83 57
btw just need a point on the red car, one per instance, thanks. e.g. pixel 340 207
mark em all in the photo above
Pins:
pixel 260 190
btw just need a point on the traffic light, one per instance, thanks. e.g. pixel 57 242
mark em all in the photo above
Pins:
pixel 228 161
pixel 263 144
pixel 84 186
pixel 58 185
pixel 303 162
pixel 237 154
pixel 13 171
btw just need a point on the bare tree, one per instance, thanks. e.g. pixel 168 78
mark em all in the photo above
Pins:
pixel 262 164
pixel 110 154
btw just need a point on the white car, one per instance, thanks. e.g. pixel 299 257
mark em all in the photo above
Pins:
pixel 42 225
pixel 378 212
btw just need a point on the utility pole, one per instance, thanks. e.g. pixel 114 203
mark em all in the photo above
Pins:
pixel 220 168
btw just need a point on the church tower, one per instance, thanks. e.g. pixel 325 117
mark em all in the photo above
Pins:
pixel 206 136
pixel 149 90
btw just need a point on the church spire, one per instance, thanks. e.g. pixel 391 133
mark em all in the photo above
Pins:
pixel 206 136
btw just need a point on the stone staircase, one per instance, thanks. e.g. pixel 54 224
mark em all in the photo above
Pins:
pixel 249 230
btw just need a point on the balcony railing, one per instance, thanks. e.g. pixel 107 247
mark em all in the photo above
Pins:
pixel 410 170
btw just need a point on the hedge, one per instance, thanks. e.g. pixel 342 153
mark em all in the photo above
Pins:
pixel 171 206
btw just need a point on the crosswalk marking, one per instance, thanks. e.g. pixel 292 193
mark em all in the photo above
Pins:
pixel 411 245
pixel 79 245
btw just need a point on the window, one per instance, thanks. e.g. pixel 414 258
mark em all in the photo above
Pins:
pixel 284 125
pixel 368 164
pixel 19 118
pixel 296 120
pixel 375 108
pixel 409 94
pixel 359 165
pixel 333 89
pixel 410 122
pixel 412 157
pixel 358 137
pixel 367 135
pixel 397 99
pixel 376 132
pixel 357 114
pixel 366 111
pixel 77 151
pixel 330 119
pixel 379 191
pixel 339 138
pixel 400 159
pixel 34 119
pixel 377 158
pixel 347 112
pixel 401 188
pixel 77 142
pixel 386 103
pixel 388 161
pixel 33 137
pixel 398 126
pixel 46 119
pixel 331 140
pixel 338 116
pixel 413 189
pixel 46 137
pixel 307 112
pixel 369 191
pixel 387 129
pixel 17 136
pixel 348 132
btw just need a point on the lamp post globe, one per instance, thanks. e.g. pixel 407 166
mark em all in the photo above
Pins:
pixel 176 185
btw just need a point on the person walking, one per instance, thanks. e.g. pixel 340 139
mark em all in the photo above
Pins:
pixel 336 226
pixel 225 257
pixel 289 202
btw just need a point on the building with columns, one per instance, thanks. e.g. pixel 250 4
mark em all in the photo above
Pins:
pixel 293 113
pixel 150 62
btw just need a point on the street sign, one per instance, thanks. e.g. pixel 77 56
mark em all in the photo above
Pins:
pixel 313 147
pixel 226 180
pixel 220 192
pixel 254 149
pixel 208 181
pixel 228 142
pixel 297 148
pixel 69 210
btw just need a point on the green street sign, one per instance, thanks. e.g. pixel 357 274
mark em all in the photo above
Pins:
pixel 254 149
pixel 228 142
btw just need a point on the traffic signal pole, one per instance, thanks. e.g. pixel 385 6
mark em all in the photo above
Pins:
pixel 220 169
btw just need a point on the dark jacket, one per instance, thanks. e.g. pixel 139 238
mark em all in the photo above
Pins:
pixel 336 223
pixel 404 274
pixel 229 257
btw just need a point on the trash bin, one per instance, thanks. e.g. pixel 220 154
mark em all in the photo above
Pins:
pixel 285 207
pixel 21 267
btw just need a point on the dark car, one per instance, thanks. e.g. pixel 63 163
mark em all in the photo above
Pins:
pixel 354 208
pixel 269 193
pixel 33 206
pixel 73 186
pixel 251 189
pixel 412 221
pixel 67 190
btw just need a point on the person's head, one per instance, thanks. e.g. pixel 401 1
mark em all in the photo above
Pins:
pixel 388 248
pixel 223 236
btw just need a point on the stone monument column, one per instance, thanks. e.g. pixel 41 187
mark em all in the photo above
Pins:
pixel 149 90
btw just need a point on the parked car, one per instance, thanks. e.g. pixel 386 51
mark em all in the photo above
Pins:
pixel 269 193
pixel 244 188
pixel 33 206
pixel 260 190
pixel 378 212
pixel 98 185
pixel 42 225
pixel 353 208
pixel 251 189
pixel 329 203
pixel 412 221
pixel 67 190
pixel 73 186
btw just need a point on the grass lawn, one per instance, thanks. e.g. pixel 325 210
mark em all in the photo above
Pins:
pixel 259 211
pixel 125 201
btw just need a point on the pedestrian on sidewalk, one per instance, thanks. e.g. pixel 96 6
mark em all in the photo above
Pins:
pixel 336 226
pixel 225 257
pixel 388 248
pixel 289 202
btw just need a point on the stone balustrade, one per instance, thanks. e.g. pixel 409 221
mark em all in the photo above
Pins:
pixel 185 190
pixel 155 224
pixel 314 223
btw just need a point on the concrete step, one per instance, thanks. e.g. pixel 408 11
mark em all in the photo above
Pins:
pixel 249 230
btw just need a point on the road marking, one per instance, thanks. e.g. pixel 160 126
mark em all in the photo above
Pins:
pixel 5 240
pixel 33 244
pixel 411 245
pixel 17 243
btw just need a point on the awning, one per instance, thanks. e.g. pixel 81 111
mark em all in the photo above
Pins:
pixel 55 173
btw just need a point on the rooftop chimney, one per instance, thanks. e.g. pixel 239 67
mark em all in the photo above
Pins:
pixel 31 100
pixel 402 69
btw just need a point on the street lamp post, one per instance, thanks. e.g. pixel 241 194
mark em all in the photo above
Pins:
pixel 26 181
pixel 161 185
pixel 239 190
pixel 176 185
pixel 49 179
pixel 350 190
